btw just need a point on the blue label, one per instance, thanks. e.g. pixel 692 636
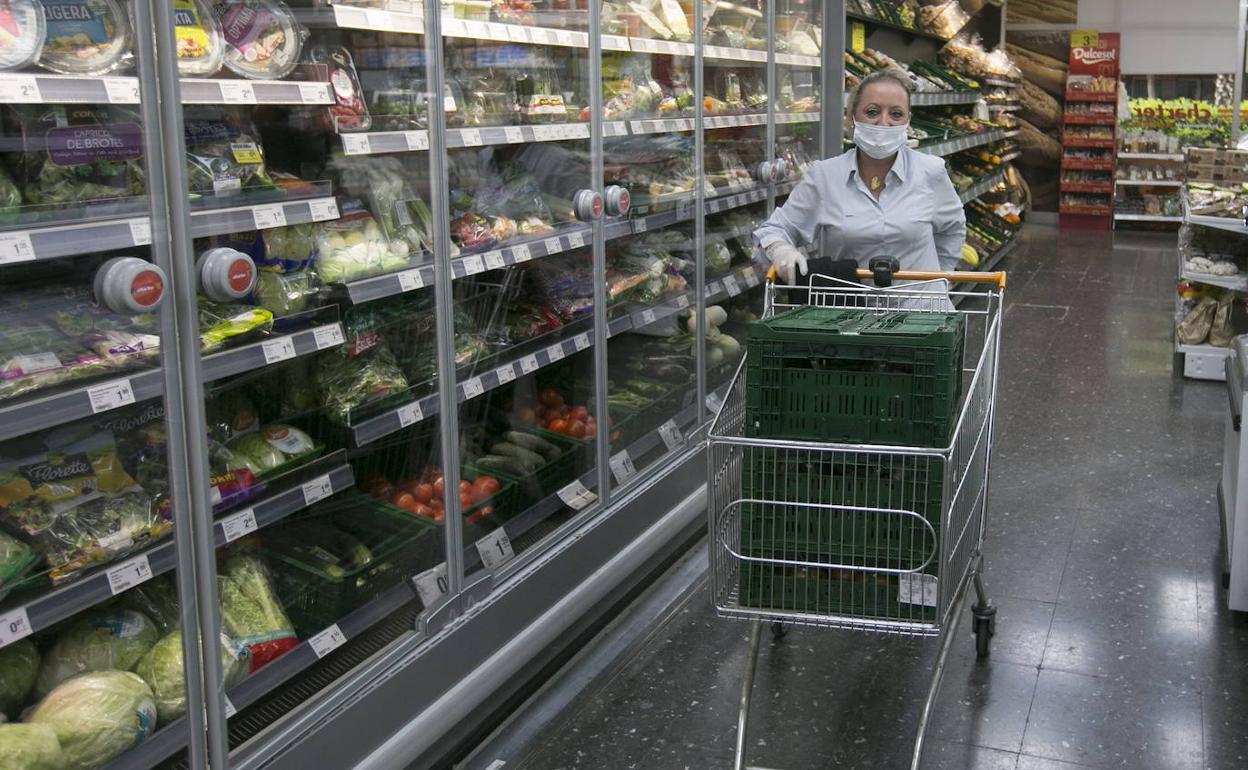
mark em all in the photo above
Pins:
pixel 68 19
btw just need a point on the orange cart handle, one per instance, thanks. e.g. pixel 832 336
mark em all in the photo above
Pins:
pixel 997 278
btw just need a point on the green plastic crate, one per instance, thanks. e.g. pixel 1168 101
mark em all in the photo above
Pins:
pixel 827 592
pixel 547 479
pixel 854 376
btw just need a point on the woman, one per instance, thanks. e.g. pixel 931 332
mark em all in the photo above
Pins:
pixel 881 199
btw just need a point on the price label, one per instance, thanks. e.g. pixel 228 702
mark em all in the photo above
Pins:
pixel 566 38
pixel 684 209
pixel 317 489
pixel 640 225
pixel 473 265
pixel 239 524
pixel 416 140
pixel 327 641
pixel 16 247
pixel 682 301
pixel 687 400
pixel 269 216
pixel 646 318
pixel 280 349
pixel 712 289
pixel 670 433
pixel 324 209
pixel 229 707
pixel 328 336
pixel 494 260
pixel 553 246
pixel 313 93
pixel 431 584
pixel 514 134
pixel 122 90
pixel 581 341
pixel 237 92
pixel 129 574
pixel 410 280
pixel 575 495
pixel 140 232
pixel 495 549
pixel 473 388
pixel 453 27
pixel 409 414
pixel 555 353
pixel 110 395
pixel 479 29
pixel 355 144
pixel 751 278
pixel 505 374
pixel 21 89
pixel 917 589
pixel 622 467
pixel 14 625
pixel 521 253
pixel 528 365
pixel 730 286
pixel 469 137
pixel 713 402
pixel 575 240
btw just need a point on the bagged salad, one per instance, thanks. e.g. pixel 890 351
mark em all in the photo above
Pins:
pixel 85 37
pixel 200 46
pixel 354 247
pixel 250 613
pixel 96 640
pixel 382 184
pixel 77 153
pixel 221 322
pixel 273 448
pixel 348 382
pixel 223 156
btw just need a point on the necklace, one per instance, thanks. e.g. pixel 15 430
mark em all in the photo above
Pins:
pixel 875 183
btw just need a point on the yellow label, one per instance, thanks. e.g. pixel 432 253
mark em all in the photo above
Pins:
pixel 858 39
pixel 1084 38
pixel 192 38
pixel 246 152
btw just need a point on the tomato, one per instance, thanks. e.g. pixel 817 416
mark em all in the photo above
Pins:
pixel 465 486
pixel 410 485
pixel 465 501
pixel 383 491
pixel 439 488
pixel 424 510
pixel 428 473
pixel 423 492
pixel 576 429
pixel 485 486
pixel 557 426
pixel 527 416
pixel 578 413
pixel 591 429
pixel 404 500
pixel 436 504
pixel 564 411
pixel 550 397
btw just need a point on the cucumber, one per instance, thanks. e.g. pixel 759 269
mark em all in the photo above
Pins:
pixel 502 465
pixel 529 459
pixel 533 443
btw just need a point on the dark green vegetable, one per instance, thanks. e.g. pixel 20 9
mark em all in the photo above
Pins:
pixel 533 443
pixel 531 460
pixel 502 464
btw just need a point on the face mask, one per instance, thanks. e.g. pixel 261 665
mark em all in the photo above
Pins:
pixel 879 141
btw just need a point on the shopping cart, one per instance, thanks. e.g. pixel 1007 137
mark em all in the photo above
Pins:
pixel 870 535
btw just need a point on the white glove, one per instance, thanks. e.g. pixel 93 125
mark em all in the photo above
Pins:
pixel 785 258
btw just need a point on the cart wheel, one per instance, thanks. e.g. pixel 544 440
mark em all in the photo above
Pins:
pixel 778 630
pixel 983 637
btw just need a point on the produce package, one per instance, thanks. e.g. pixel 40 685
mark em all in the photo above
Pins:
pixel 273 449
pixel 251 615
pixel 348 112
pixel 355 247
pixel 97 716
pixel 231 414
pixel 351 381
pixel 943 20
pixel 197 34
pixel 16 558
pixel 221 323
pixel 157 600
pixel 223 155
pixel 77 153
pixel 263 38
pixel 85 37
pixel 30 747
pixel 1217 201
pixel 163 670
pixel 424 493
pixel 19 665
pixel 24 36
pixel 381 184
pixel 97 640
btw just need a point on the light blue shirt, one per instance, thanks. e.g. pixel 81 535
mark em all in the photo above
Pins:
pixel 918 218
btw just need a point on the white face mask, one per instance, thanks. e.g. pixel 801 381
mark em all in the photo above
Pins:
pixel 879 141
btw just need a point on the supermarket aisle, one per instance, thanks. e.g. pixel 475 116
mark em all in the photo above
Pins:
pixel 1112 649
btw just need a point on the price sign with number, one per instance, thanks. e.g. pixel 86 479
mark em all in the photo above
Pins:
pixel 529 364
pixel 416 140
pixel 410 280
pixel 22 89
pixel 355 144
pixel 266 217
pixel 470 137
pixel 646 318
pixel 473 265
pixel 473 388
pixel 575 495
pixel 410 414
pixel 122 90
pixel 494 260
pixel 238 524
pixel 129 574
pixel 621 464
pixel 110 395
pixel 327 641
pixel 682 301
pixel 140 232
pixel 313 93
pixel 581 341
pixel 14 625
pixel 553 246
pixel 670 433
pixel 730 286
pixel 431 584
pixel 505 374
pixel 328 336
pixel 640 225
pixel 16 247
pixel 324 209
pixel 317 489
pixel 280 349
pixel 575 240
pixel 521 253
pixel 514 134
pixel 495 549
pixel 555 352
pixel 237 92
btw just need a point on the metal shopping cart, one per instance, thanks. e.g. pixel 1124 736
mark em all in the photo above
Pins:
pixel 881 533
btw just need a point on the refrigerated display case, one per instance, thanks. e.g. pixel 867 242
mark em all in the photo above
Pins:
pixel 374 340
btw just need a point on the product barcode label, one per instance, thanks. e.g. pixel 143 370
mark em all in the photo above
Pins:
pixel 110 395
pixel 410 280
pixel 581 341
pixel 621 464
pixel 575 495
pixel 494 260
pixel 324 209
pixel 129 574
pixel 21 89
pixel 280 349
pixel 553 246
pixel 473 265
pixel 521 253
pixel 505 374
pixel 14 625
pixel 670 433
pixel 317 489
pixel 15 247
pixel 751 278
pixel 555 353
pixel 431 584
pixel 327 641
pixel 355 144
pixel 416 140
pixel 140 232
pixel 917 589
pixel 266 217
pixel 313 93
pixel 328 336
pixel 528 365
pixel 229 707
pixel 730 286
pixel 410 414
pixel 682 301
pixel 237 92
pixel 473 388
pixel 514 135
pixel 239 524
pixel 122 90
pixel 640 226
pixel 495 549
pixel 469 137
pixel 575 240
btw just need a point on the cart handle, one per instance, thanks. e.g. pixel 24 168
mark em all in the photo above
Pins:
pixel 997 278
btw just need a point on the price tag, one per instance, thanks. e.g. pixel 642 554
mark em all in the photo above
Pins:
pixel 514 134
pixel 14 625
pixel 129 574
pixel 555 352
pixel 575 495
pixel 495 549
pixel 581 341
pixel 494 260
pixel 280 349
pixel 229 707
pixel 327 641
pixel 622 467
pixel 469 137
pixel 521 253
pixel 237 92
pixel 640 225
pixel 687 400
pixel 646 318
pixel 553 246
pixel 323 209
pixel 431 584
pixel 730 285
pixel 682 301
pixel 505 374
pixel 684 209
pixel 416 140
pixel 575 240
pixel 528 365
pixel 269 216
pixel 110 395
pixel 21 89
pixel 473 388
pixel 328 336
pixel 122 90
pixel 313 93
pixel 751 278
pixel 409 414
pixel 355 144
pixel 410 280
pixel 917 589
pixel 453 27
pixel 671 435
pixel 712 289
pixel 713 402
pixel 473 265
pixel 238 525
pixel 140 232
pixel 317 489
pixel 16 247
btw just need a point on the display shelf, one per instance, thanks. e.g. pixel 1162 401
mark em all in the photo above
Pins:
pixel 783 59
pixel 723 53
pixel 262 216
pixel 668 125
pixel 1009 156
pixel 17 88
pixel 1091 96
pixel 478 137
pixel 378 142
pixel 1004 107
pixel 1086 187
pixel 996 83
pixel 1149 182
pixel 378 20
pixel 1150 156
pixel 896 27
pixel 1087 142
pixel 42 412
pixel 981 187
pixel 950 146
pixel 1220 223
pixel 797 117
pixel 1087 164
pixel 734 121
pixel 942 98
pixel 1237 282
pixel 1145 218
pixel 513 33
pixel 1090 211
pixel 1203 362
pixel 670 47
pixel 60 603
pixel 1089 120
pixel 1012 132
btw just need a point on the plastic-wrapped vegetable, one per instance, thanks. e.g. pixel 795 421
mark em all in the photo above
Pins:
pixel 354 247
pixel 285 293
pixel 273 447
pixel 263 38
pixel 79 154
pixel 223 158
pixel 383 183
pixel 157 600
pixel 71 474
pixel 349 382
pixel 98 640
pixel 250 613
pixel 287 249
pixel 230 414
pixel 98 716
pixel 162 668
pixel 30 747
pixel 221 323
pixel 19 665
pixel 15 558
pixel 10 196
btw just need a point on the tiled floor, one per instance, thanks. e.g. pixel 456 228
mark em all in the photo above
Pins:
pixel 1112 651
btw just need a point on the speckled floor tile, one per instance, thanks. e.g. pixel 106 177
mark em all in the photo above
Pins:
pixel 1028 762
pixel 985 704
pixel 943 755
pixel 1226 729
pixel 1125 645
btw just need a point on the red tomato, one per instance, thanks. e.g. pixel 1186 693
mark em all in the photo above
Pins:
pixel 576 429
pixel 465 485
pixel 423 492
pixel 439 487
pixel 485 486
pixel 383 491
pixel 465 501
pixel 527 416
pixel 551 397
pixel 591 429
pixel 424 510
pixel 404 500
pixel 578 413
pixel 557 425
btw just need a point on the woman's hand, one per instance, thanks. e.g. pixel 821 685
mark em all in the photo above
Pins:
pixel 786 258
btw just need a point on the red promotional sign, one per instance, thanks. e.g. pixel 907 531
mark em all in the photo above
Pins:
pixel 1094 53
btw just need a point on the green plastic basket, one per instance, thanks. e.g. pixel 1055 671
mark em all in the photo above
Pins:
pixel 854 376
pixel 843 593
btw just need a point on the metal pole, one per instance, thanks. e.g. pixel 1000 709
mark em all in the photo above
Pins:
pixel 832 101
pixel 1239 73
pixel 769 152
pixel 184 391
pixel 602 445
pixel 699 210
pixel 938 674
pixel 747 689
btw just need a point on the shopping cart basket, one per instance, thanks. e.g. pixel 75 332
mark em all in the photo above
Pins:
pixel 863 535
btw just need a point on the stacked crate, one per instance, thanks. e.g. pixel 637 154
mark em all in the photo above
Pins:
pixel 1216 165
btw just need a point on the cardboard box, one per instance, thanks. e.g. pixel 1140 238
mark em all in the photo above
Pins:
pixel 1216 156
pixel 1213 174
